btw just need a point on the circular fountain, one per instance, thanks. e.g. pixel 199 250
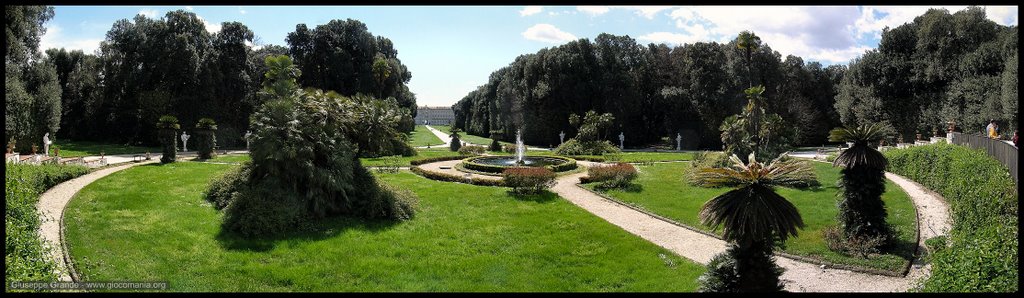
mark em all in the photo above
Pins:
pixel 498 164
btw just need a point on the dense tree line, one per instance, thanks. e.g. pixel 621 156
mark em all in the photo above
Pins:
pixel 653 91
pixel 146 68
pixel 32 93
pixel 942 67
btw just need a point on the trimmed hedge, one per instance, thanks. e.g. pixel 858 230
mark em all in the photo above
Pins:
pixel 526 180
pixel 982 252
pixel 456 178
pixel 434 159
pixel 25 256
pixel 611 176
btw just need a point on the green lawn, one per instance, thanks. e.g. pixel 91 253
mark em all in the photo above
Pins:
pixel 232 158
pixel 662 190
pixel 87 148
pixel 151 223
pixel 476 140
pixel 404 160
pixel 423 137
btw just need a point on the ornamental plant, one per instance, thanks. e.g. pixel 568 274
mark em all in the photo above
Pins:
pixel 168 126
pixel 206 140
pixel 527 180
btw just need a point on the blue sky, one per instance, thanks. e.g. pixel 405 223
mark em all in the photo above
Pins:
pixel 451 50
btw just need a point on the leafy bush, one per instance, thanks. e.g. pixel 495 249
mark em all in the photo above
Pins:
pixel 611 176
pixel 168 126
pixel 390 164
pixel 575 147
pixel 509 148
pixel 222 189
pixel 206 140
pixel 472 150
pixel 26 258
pixel 708 159
pixel 456 142
pixel 983 201
pixel 455 178
pixel 528 180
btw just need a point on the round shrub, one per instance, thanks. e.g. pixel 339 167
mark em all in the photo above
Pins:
pixel 206 140
pixel 472 150
pixel 223 188
pixel 528 180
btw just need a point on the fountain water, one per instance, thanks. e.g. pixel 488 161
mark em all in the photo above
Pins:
pixel 520 148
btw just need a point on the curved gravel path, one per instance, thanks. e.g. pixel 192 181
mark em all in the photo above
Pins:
pixel 799 276
pixel 51 212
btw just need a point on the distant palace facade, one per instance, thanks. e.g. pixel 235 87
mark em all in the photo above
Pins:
pixel 435 115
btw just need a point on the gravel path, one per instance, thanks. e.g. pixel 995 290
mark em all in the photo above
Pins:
pixel 799 276
pixel 51 212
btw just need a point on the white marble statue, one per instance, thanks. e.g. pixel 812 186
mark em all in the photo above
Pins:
pixel 679 141
pixel 247 134
pixel 561 138
pixel 46 144
pixel 184 141
pixel 622 138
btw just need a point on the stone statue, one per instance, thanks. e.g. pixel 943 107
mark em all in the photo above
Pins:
pixel 184 141
pixel 622 138
pixel 46 144
pixel 679 141
pixel 247 134
pixel 561 137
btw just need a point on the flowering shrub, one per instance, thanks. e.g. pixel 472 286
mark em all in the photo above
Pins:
pixel 611 176
pixel 528 180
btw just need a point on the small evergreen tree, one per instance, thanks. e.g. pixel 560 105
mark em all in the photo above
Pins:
pixel 456 143
pixel 862 211
pixel 206 140
pixel 168 126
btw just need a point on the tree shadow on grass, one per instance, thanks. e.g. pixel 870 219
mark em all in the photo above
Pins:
pixel 313 230
pixel 542 197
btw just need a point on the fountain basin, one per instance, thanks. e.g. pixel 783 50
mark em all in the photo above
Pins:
pixel 498 164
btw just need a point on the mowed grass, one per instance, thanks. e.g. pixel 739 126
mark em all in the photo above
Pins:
pixel 88 148
pixel 661 189
pixel 404 160
pixel 152 223
pixel 632 157
pixel 230 158
pixel 423 137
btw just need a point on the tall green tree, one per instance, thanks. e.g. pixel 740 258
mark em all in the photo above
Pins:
pixel 32 89
pixel 749 43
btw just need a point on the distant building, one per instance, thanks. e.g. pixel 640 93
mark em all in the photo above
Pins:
pixel 435 115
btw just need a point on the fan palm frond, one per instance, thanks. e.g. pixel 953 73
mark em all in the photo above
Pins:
pixel 752 213
pixel 861 154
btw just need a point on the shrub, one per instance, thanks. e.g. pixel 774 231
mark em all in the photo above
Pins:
pixel 576 147
pixel 862 246
pixel 528 180
pixel 472 150
pixel 982 252
pixel 495 145
pixel 393 203
pixel 509 148
pixel 611 176
pixel 168 126
pixel 26 257
pixel 206 140
pixel 708 159
pixel 261 210
pixel 390 164
pixel 222 189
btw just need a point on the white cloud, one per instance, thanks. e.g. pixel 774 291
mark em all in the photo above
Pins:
pixel 150 13
pixel 242 11
pixel 547 33
pixel 1003 15
pixel 530 10
pixel 669 38
pixel 54 38
pixel 594 10
pixel 189 8
pixel 647 11
pixel 210 27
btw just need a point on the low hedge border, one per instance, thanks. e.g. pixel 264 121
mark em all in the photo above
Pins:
pixel 778 253
pixel 434 159
pixel 453 178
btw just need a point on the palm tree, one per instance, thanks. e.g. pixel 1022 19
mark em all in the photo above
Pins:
pixel 749 42
pixel 456 143
pixel 862 212
pixel 753 218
